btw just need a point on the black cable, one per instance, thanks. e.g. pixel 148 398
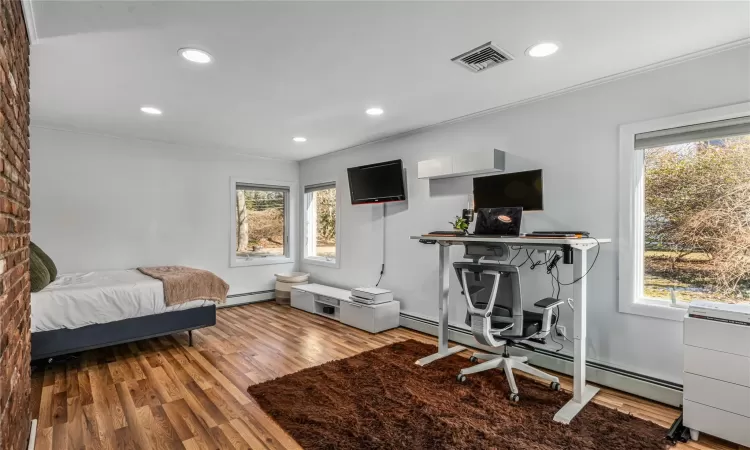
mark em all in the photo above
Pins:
pixel 382 271
pixel 518 251
pixel 535 264
pixel 528 257
pixel 598 248
pixel 554 330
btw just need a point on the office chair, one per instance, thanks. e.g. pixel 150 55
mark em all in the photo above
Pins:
pixel 497 319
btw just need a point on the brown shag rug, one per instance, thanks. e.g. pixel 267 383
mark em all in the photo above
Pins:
pixel 381 400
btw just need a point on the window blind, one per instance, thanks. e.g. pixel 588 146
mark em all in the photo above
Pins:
pixel 693 133
pixel 319 187
pixel 261 187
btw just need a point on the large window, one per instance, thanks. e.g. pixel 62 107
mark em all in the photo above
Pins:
pixel 689 216
pixel 696 226
pixel 261 223
pixel 320 223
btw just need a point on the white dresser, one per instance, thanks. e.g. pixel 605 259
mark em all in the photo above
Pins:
pixel 317 299
pixel 716 395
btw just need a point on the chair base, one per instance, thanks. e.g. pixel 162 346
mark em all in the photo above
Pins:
pixel 508 363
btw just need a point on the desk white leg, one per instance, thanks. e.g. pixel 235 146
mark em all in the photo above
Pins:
pixel 582 393
pixel 443 290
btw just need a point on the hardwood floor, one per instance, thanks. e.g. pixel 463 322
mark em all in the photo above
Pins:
pixel 162 394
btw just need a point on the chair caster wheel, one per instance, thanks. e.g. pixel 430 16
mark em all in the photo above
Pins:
pixel 473 359
pixel 461 378
pixel 555 386
pixel 514 397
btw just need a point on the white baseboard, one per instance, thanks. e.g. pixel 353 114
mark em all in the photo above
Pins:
pixel 614 378
pixel 249 297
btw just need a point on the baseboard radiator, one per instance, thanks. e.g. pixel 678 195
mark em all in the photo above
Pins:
pixel 248 297
pixel 633 383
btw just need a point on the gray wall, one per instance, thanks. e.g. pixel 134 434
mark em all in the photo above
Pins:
pixel 574 138
pixel 108 203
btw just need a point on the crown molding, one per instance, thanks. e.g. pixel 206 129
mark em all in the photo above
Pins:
pixel 222 152
pixel 588 84
pixel 28 16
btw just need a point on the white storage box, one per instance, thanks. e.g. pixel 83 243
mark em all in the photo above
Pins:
pixel 372 318
pixel 317 299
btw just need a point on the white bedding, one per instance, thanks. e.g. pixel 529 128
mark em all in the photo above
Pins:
pixel 79 299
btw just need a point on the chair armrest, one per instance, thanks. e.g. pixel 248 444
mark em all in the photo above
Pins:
pixel 547 303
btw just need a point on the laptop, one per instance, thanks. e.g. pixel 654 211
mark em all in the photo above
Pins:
pixel 505 221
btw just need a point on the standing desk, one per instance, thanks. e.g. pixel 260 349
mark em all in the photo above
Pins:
pixel 582 393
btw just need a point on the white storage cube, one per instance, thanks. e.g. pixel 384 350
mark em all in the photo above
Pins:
pixel 303 300
pixel 372 318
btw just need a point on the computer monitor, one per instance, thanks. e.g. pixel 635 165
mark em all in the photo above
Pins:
pixel 522 189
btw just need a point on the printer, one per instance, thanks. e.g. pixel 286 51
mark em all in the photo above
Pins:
pixel 721 312
pixel 371 295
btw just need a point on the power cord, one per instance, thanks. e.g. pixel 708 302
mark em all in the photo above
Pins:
pixel 382 265
pixel 598 248
pixel 518 251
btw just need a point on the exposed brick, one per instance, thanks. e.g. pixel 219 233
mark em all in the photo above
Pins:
pixel 15 300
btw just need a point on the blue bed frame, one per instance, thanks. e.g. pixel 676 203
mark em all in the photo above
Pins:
pixel 48 344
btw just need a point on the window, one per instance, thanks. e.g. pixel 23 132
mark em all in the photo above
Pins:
pixel 260 223
pixel 686 217
pixel 320 224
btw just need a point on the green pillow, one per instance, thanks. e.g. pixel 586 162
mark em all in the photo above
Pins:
pixel 39 273
pixel 51 267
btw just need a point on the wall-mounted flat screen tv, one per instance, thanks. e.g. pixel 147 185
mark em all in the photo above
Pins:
pixel 377 183
pixel 522 189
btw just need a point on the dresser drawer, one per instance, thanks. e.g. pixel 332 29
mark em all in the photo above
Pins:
pixel 721 336
pixel 723 424
pixel 303 300
pixel 719 365
pixel 718 394
pixel 327 300
pixel 372 318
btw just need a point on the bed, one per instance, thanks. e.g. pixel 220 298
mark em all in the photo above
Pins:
pixel 83 311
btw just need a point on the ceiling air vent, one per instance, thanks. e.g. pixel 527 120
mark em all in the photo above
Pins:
pixel 483 57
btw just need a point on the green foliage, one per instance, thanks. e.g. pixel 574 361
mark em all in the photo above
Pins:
pixel 264 218
pixel 460 224
pixel 325 210
pixel 697 199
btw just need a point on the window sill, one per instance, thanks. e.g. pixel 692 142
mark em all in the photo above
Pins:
pixel 321 262
pixel 655 308
pixel 269 260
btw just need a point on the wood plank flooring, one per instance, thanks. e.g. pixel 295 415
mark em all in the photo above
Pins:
pixel 162 394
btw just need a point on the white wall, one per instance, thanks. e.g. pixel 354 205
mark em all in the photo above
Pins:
pixel 574 138
pixel 108 203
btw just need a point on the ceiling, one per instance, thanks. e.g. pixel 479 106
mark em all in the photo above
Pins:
pixel 286 69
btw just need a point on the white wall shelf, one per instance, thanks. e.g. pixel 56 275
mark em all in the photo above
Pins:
pixel 462 164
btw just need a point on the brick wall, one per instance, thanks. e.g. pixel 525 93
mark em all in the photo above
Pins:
pixel 15 301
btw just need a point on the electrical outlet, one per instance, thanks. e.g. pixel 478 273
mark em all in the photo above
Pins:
pixel 560 331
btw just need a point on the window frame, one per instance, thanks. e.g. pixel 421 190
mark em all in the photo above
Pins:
pixel 307 225
pixel 289 222
pixel 631 205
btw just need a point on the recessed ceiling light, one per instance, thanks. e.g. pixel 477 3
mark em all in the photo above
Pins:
pixel 299 139
pixel 374 111
pixel 542 49
pixel 151 110
pixel 195 55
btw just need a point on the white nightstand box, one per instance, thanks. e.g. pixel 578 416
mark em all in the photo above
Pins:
pixel 716 392
pixel 316 299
